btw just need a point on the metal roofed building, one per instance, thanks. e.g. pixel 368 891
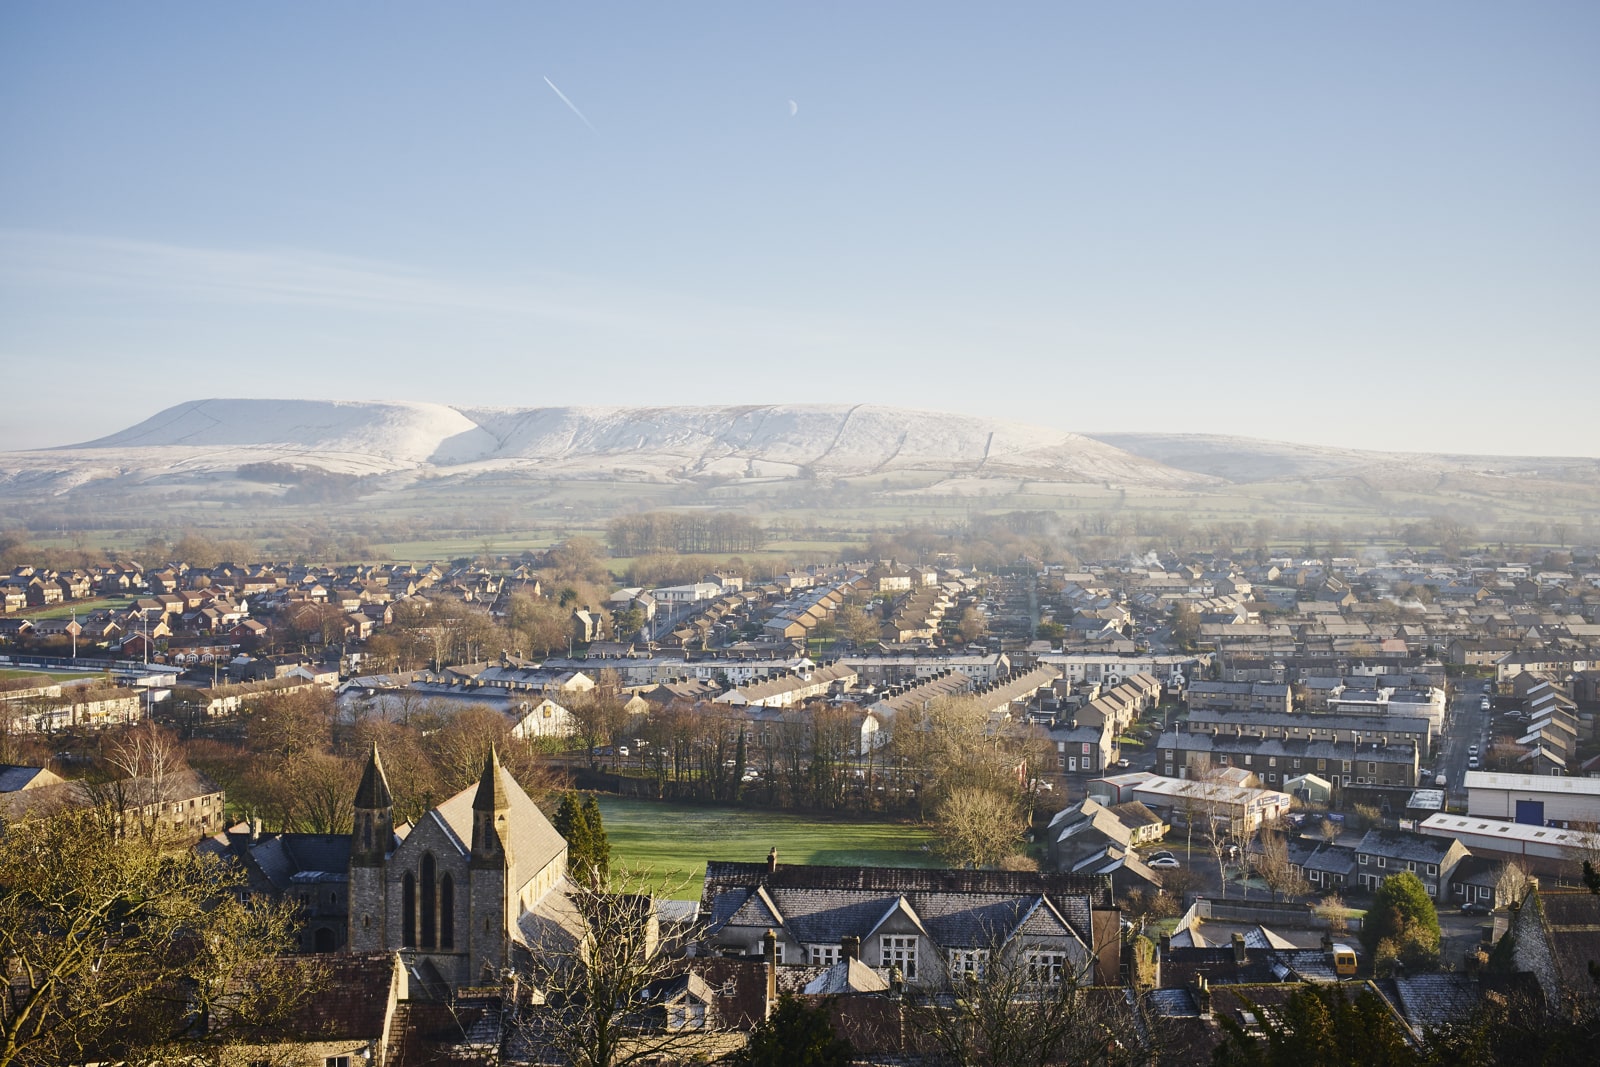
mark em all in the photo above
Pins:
pixel 1538 799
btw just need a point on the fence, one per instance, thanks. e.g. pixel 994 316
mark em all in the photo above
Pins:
pixel 1268 913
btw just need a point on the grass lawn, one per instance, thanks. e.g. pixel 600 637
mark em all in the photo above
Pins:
pixel 54 676
pixel 675 840
pixel 79 607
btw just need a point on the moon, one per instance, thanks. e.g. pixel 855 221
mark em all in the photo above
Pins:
pixel 794 109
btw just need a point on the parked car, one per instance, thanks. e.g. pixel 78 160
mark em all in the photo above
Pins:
pixel 1160 854
pixel 1164 862
pixel 1477 907
pixel 1472 763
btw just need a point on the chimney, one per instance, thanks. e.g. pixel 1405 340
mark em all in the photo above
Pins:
pixel 850 947
pixel 1200 989
pixel 1238 949
pixel 255 828
pixel 772 860
pixel 769 945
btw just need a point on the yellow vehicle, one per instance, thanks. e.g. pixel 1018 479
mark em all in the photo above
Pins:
pixel 1344 961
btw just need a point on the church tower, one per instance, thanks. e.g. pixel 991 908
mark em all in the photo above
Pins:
pixel 370 844
pixel 492 907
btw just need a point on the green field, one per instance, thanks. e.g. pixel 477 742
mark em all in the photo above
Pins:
pixel 79 607
pixel 674 841
pixel 54 676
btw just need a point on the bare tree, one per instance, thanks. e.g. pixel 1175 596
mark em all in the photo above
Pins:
pixel 1275 868
pixel 1332 910
pixel 599 975
pixel 978 826
pixel 1022 1005
pixel 1512 883
pixel 145 761
pixel 119 948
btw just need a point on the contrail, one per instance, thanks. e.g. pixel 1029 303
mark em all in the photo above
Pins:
pixel 570 104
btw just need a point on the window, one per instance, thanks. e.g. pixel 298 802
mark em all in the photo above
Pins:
pixel 1322 764
pixel 1433 868
pixel 1362 859
pixel 447 911
pixel 408 911
pixel 336 1061
pixel 1046 967
pixel 1272 761
pixel 1372 768
pixel 901 952
pixel 429 901
pixel 824 955
pixel 972 962
pixel 1382 862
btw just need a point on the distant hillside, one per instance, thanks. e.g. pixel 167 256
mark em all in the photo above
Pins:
pixel 199 442
pixel 1246 459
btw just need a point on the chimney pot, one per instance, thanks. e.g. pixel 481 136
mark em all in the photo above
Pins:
pixel 772 861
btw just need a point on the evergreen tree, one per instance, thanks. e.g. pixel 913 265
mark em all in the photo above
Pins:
pixel 599 845
pixel 1318 1026
pixel 571 824
pixel 1402 923
pixel 794 1036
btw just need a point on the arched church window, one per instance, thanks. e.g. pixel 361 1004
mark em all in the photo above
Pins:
pixel 447 911
pixel 429 901
pixel 408 911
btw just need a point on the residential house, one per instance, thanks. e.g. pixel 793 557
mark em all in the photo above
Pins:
pixel 928 925
pixel 1432 859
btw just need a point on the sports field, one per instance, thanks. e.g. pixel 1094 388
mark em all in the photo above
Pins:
pixel 674 841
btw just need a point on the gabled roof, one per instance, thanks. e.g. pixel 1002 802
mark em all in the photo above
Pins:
pixel 533 842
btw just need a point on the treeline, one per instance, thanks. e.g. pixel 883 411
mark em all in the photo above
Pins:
pixel 655 532
pixel 307 485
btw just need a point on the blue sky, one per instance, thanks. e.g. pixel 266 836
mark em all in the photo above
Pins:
pixel 1367 224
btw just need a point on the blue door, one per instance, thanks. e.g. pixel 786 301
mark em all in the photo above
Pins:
pixel 1530 812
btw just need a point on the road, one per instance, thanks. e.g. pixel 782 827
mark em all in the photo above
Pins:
pixel 1466 724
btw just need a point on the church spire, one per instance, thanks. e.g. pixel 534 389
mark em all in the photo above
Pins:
pixel 374 815
pixel 374 789
pixel 491 794
pixel 491 831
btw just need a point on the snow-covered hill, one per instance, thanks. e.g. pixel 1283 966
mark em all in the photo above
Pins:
pixel 207 439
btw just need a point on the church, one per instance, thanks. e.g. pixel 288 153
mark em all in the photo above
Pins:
pixel 448 892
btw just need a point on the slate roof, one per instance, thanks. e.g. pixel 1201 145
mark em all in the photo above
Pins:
pixel 957 909
pixel 14 778
pixel 847 976
pixel 1403 845
pixel 534 842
